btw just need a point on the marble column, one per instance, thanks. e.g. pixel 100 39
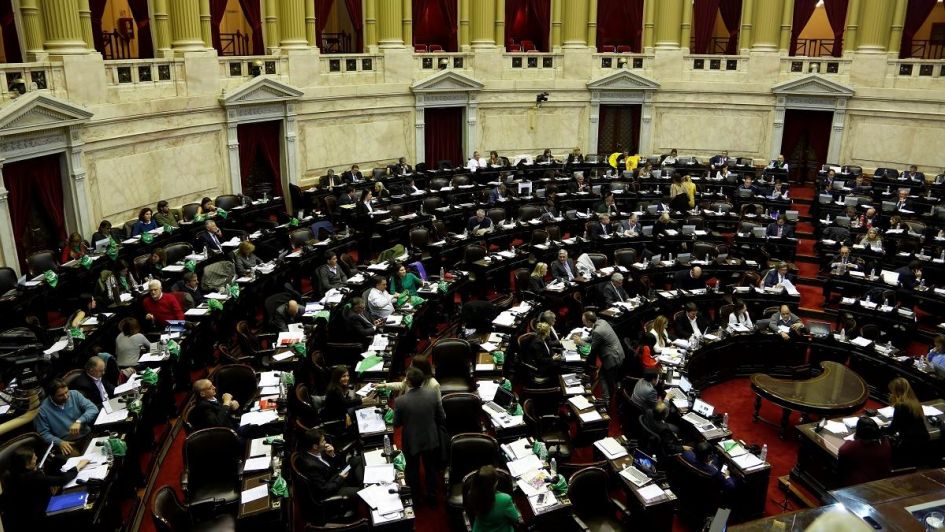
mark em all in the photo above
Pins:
pixel 292 25
pixel 851 33
pixel 685 33
pixel 390 20
pixel 500 23
pixel 592 23
pixel 556 17
pixel 787 21
pixel 185 26
pixel 370 25
pixel 464 24
pixel 574 33
pixel 205 22
pixel 668 23
pixel 272 25
pixel 744 35
pixel 483 24
pixel 408 22
pixel 649 22
pixel 162 31
pixel 33 35
pixel 766 30
pixel 895 33
pixel 875 17
pixel 85 18
pixel 63 28
pixel 310 34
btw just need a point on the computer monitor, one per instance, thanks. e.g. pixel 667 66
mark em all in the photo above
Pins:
pixel 758 232
pixel 101 245
pixel 838 185
pixel 851 201
pixel 647 230
pixel 503 397
pixel 656 174
pixel 818 329
pixel 688 229
pixel 683 383
pixel 684 258
pixel 702 408
pixel 644 462
pixel 824 199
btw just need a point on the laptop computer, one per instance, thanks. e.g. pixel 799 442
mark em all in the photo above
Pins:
pixel 644 462
pixel 634 475
pixel 824 199
pixel 656 174
pixel 838 185
pixel 702 408
pixel 818 329
pixel 101 245
pixel 851 201
pixel 683 383
pixel 758 232
pixel 647 230
pixel 684 258
pixel 500 403
pixel 689 229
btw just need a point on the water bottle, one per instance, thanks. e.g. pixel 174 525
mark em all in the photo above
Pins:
pixel 942 256
pixel 387 446
pixel 828 217
pixel 442 273
pixel 70 342
pixel 163 346
pixel 725 420
pixel 887 189
pixel 588 211
pixel 843 335
pixel 922 284
pixel 554 468
pixel 764 452
pixel 873 272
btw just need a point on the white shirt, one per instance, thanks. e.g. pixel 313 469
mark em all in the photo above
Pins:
pixel 662 341
pixel 380 303
pixel 740 319
pixel 694 323
pixel 475 164
pixel 101 388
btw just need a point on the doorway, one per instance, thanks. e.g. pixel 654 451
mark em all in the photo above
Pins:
pixel 37 211
pixel 806 142
pixel 618 129
pixel 443 136
pixel 260 158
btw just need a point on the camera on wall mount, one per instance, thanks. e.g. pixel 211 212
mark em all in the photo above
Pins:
pixel 256 68
pixel 17 86
pixel 540 99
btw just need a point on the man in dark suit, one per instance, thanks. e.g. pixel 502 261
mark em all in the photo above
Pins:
pixel 208 411
pixel 645 395
pixel 498 194
pixel 330 180
pixel 353 175
pixel 844 261
pixel 780 228
pixel 190 285
pixel 704 459
pixel 324 468
pixel 211 239
pixel 359 327
pixel 347 197
pixel 613 291
pixel 575 157
pixel 748 185
pixel 564 268
pixel 420 413
pixel 479 222
pixel 601 228
pixel 903 203
pixel 910 276
pixel 91 383
pixel 778 276
pixel 400 167
pixel 330 275
pixel 655 420
pixel 605 345
pixel 285 314
pixel 719 160
pixel 689 280
pixel 608 206
pixel 914 174
pixel 691 322
pixel 580 184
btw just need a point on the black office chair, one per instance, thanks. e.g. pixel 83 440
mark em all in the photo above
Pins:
pixel 239 380
pixel 189 211
pixel 592 507
pixel 504 483
pixel 29 440
pixel 528 212
pixel 463 413
pixel 599 260
pixel 41 261
pixel 337 508
pixel 549 428
pixel 496 214
pixel 299 237
pixel 625 257
pixel 453 363
pixel 228 201
pixel 699 494
pixel 361 525
pixel 213 462
pixel 8 279
pixel 171 516
pixel 177 251
pixel 468 452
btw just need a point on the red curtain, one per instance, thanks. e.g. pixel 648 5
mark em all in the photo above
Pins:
pixel 528 20
pixel 139 11
pixel 354 13
pixel 217 11
pixel 916 13
pixel 704 13
pixel 17 181
pixel 803 11
pixel 98 11
pixel 434 22
pixel 260 139
pixel 254 17
pixel 34 181
pixel 837 15
pixel 11 44
pixel 47 187
pixel 620 22
pixel 322 10
pixel 731 11
pixel 443 135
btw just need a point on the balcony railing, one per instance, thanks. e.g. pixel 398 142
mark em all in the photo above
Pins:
pixel 716 63
pixel 815 65
pixel 814 48
pixel 34 76
pixel 252 66
pixel 717 46
pixel 351 63
pixel 530 60
pixel 135 72
pixel 116 46
pixel 235 44
pixel 927 50
pixel 443 61
pixel 607 61
pixel 918 68
pixel 336 43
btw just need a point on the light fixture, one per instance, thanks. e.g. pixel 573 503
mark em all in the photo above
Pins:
pixel 443 63
pixel 622 62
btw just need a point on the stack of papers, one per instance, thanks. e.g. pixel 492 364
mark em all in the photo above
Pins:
pixel 835 427
pixel 487 390
pixel 519 467
pixel 377 496
pixel 580 402
pixel 591 416
pixel 611 448
pixel 518 449
pixel 748 461
pixel 651 493
pixel 379 474
pixel 258 418
pixel 254 494
pixel 370 421
pixel 257 463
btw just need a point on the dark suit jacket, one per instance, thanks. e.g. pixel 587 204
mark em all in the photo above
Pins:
pixel 684 328
pixel 26 496
pixel 786 232
pixel 352 177
pixel 86 386
pixel 539 354
pixel 280 318
pixel 398 169
pixel 536 284
pixel 326 182
pixel 918 176
pixel 205 241
pixel 684 280
pixel 558 271
pixel 358 327
pixel 606 345
pixel 207 414
pixel 719 160
pixel 572 159
pixel 585 188
pixel 195 294
pixel 906 277
pixel 328 280
pixel 771 279
pixel 495 196
pixel 597 230
pixel 345 199
pixel 475 224
pixel 323 479
pixel 610 294
pixel 907 205
pixel 420 413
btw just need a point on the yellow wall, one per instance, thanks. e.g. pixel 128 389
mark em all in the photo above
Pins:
pixel 937 16
pixel 818 27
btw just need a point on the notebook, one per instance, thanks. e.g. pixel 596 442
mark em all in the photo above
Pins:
pixel 66 501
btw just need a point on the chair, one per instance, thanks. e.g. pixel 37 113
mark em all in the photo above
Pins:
pixel 549 428
pixel 361 525
pixel 473 252
pixel 438 183
pixel 228 201
pixel 608 49
pixel 539 237
pixel 463 413
pixel 554 233
pixel 699 495
pixel 704 251
pixel 871 331
pixel 453 360
pixel 171 516
pixel 420 48
pixel 250 344
pixel 299 237
pixel 431 204
pixel 31 440
pixel 724 312
pixel 213 461
pixel 528 212
pixel 592 507
pixel 521 276
pixel 528 46
pixel 623 49
pixel 41 261
pixel 650 441
pixel 625 257
pixel 496 214
pixel 599 260
pixel 436 48
pixel 318 511
pixel 189 211
pixel 239 380
pixel 177 251
pixel 8 279
pixel 535 377
pixel 504 483
pixel 468 452
pixel 630 414
pixel 419 238
pixel 330 204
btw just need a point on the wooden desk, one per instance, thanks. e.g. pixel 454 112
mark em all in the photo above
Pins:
pixel 653 515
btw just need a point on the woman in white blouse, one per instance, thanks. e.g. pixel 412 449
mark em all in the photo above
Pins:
pixel 658 331
pixel 739 316
pixel 872 240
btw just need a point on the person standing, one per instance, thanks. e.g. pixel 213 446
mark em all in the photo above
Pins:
pixel 420 413
pixel 604 345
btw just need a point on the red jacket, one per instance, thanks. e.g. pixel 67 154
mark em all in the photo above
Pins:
pixel 164 309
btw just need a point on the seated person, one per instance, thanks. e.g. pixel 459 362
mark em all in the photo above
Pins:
pixel 245 259
pixel 494 160
pixel 778 191
pixel 159 307
pixel 380 303
pixel 330 275
pixel 358 326
pixel 340 399
pixel 778 276
pixel 404 282
pixel 154 266
pixel 660 333
pixel 867 457
pixel 324 469
pixel 914 174
pixel 663 224
pixel 380 191
pixel 480 223
pixel 903 203
pixel 91 384
pixel 104 232
pixel 190 285
pixel 669 160
pixel 689 280
pixel 476 162
pixel 64 417
pixel 656 421
pixel 130 343
pixel 630 227
pixel 784 322
pixel 780 228
pixel 748 184
pixel 541 353
pixel 564 268
pixel 936 355
pixel 613 292
pixel 861 185
pixel 691 323
pixel 286 314
pixel 207 207
pixel 348 197
pixel 608 206
pixel 27 489
pixel 872 241
pixel 739 315
pixel 536 281
pixel 575 157
pixel 330 180
pixel 421 362
pixel 498 194
pixel 870 219
pixel 703 458
pixel 165 216
pixel 910 275
pixel 719 160
pixel 843 260
pixel 401 167
pixel 908 422
pixel 601 228
pixel 546 157
pixel 208 411
pixel 779 163
pixel 645 394
pixel 550 318
pixel 489 509
pixel 723 172
pixel 647 353
pixel 580 184
pixel 145 223
pixel 352 176
pixel 211 239
pixel 75 248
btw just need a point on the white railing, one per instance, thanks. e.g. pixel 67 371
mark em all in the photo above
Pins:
pixel 138 72
pixel 250 66
pixel 434 61
pixel 715 63
pixel 815 65
pixel 917 68
pixel 351 63
pixel 630 61
pixel 20 78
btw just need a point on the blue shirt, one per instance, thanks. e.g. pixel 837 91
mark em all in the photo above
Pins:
pixel 938 361
pixel 141 227
pixel 53 421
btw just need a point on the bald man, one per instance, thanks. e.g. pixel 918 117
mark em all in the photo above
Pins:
pixel 285 314
pixel 91 384
pixel 784 322
pixel 208 411
pixel 691 280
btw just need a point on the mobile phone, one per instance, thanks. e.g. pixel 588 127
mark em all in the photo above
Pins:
pixel 541 498
pixel 346 469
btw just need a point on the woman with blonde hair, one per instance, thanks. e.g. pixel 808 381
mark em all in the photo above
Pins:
pixel 872 241
pixel 659 331
pixel 244 259
pixel 908 421
pixel 536 281
pixel 690 189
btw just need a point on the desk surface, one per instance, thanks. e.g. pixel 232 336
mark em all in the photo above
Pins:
pixel 835 391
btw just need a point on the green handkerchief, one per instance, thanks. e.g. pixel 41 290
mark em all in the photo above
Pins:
pixel 560 485
pixel 368 363
pixel 119 447
pixel 51 278
pixel 299 348
pixel 507 385
pixel 190 264
pixel 173 348
pixel 168 229
pixel 288 378
pixel 149 377
pixel 401 300
pixel 85 262
pixel 279 488
pixel 294 222
pixel 515 409
pixel 416 301
pixel 233 290
pixel 442 286
pixel 323 314
pixel 408 320
pixel 147 237
pixel 400 462
pixel 214 304
pixel 498 357
pixel 584 350
pixel 200 217
pixel 540 450
pixel 389 417
pixel 221 213
pixel 76 332
pixel 112 251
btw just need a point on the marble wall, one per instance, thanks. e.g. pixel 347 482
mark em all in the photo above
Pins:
pixel 707 130
pixel 525 129
pixel 886 140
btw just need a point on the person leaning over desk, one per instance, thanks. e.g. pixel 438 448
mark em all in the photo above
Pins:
pixel 64 416
pixel 27 489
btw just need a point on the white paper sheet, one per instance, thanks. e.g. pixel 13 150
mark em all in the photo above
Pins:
pixel 369 421
pixel 253 494
pixel 519 467
pixel 259 463
pixel 258 447
pixel 588 417
pixel 105 418
pixel 487 390
pixel 258 418
pixel 379 474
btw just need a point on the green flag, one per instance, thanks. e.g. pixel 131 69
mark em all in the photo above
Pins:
pixel 112 250
pixel 233 290
pixel 52 279
pixel 168 228
pixel 214 304
pixel 294 222
pixel 77 333
pixel 149 377
pixel 147 238
pixel 190 265
pixel 222 214
pixel 173 348
pixel 118 447
pixel 279 488
pixel 85 262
